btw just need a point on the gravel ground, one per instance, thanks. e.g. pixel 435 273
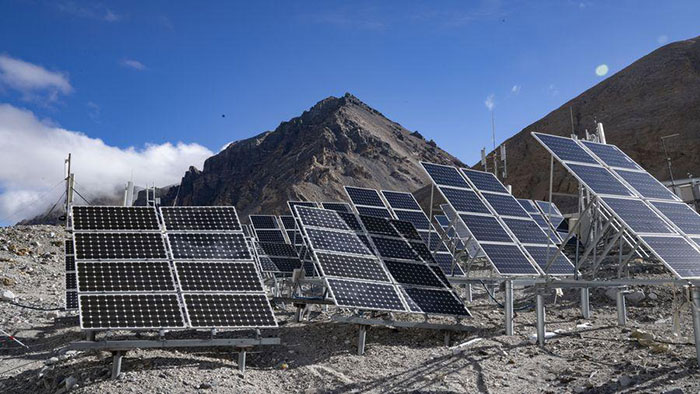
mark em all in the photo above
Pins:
pixel 319 355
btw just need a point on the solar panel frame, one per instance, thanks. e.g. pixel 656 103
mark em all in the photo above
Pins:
pixel 364 196
pixel 636 215
pixel 228 221
pixel 688 223
pixel 400 200
pixel 572 153
pixel 172 299
pixel 157 239
pixel 146 220
pixel 337 206
pixel 262 300
pixel 374 211
pixel 443 175
pixel 648 188
pixel 483 181
pixel 610 155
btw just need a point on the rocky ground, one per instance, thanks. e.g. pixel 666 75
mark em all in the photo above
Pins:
pixel 319 355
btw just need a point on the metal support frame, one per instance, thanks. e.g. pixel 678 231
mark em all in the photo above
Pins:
pixel 361 339
pixel 540 318
pixel 585 303
pixel 621 308
pixel 509 307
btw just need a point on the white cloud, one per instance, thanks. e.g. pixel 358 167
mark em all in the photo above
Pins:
pixel 33 154
pixel 489 102
pixel 134 64
pixel 601 70
pixel 662 39
pixel 515 89
pixel 30 79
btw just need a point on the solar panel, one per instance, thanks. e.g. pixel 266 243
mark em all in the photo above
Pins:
pixel 646 185
pixel 505 205
pixel 337 206
pixel 70 263
pixel 637 215
pixel 677 253
pixel 218 276
pixel 130 311
pixel 413 274
pixel 681 215
pixel 432 240
pixel 275 236
pixel 362 196
pixel 444 175
pixel 394 248
pixel 600 180
pixel 279 249
pixel 611 155
pixel 286 264
pixel 381 226
pixel 114 218
pixel 351 267
pixel 416 217
pixel 542 255
pixel 528 205
pixel 68 246
pixel 288 222
pixel 406 229
pixel 71 280
pixel 72 299
pixel 200 218
pixel 401 200
pixel 548 208
pixel 125 276
pixel 527 231
pixel 436 301
pixel 116 246
pixel 565 149
pixel 229 310
pixel 484 181
pixel 445 261
pixel 368 295
pixel 321 218
pixel 336 241
pixel 208 246
pixel 442 220
pixel 263 222
pixel 486 228
pixel 372 211
pixel 293 204
pixel 508 259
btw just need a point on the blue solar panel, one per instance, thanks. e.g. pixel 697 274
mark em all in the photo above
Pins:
pixel 337 206
pixel 527 231
pixel 542 255
pixel 600 180
pixel 646 185
pixel 549 208
pixel 565 148
pixel 508 259
pixel 681 215
pixel 611 155
pixel 400 200
pixel 486 228
pixel 464 200
pixel 444 175
pixel 362 196
pixel 372 211
pixel 484 181
pixel 528 205
pixel 505 205
pixel 678 253
pixel 638 216
pixel 416 217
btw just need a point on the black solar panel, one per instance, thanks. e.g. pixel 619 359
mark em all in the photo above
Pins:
pixel 646 185
pixel 442 220
pixel 432 239
pixel 444 260
pixel 114 218
pixel 68 246
pixel 372 211
pixel 542 255
pixel 565 148
pixel 337 206
pixel 505 205
pixel 444 175
pixel 400 200
pixel 638 216
pixel 351 267
pixel 464 200
pixel 200 218
pixel 414 274
pixel 293 204
pixel 508 259
pixel 600 180
pixel 437 301
pixel 484 181
pixel 263 222
pixel 125 276
pixel 368 295
pixel 611 155
pixel 266 264
pixel 286 264
pixel 130 311
pixel 70 263
pixel 677 253
pixel 275 236
pixel 335 241
pixel 681 215
pixel 394 248
pixel 351 220
pixel 528 205
pixel 208 246
pixel 115 246
pixel 540 220
pixel 376 225
pixel 361 196
pixel 422 251
pixel 279 249
pixel 486 228
pixel 527 231
pixel 322 218
pixel 416 217
pixel 288 222
pixel 71 300
pixel 71 280
pixel 229 310
pixel 406 229
pixel 218 276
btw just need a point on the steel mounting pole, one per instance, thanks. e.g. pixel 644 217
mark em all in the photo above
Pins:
pixel 509 307
pixel 540 318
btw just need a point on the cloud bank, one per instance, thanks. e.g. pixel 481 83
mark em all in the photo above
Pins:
pixel 32 158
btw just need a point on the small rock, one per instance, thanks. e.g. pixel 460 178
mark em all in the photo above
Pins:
pixel 51 361
pixel 635 297
pixel 7 295
pixel 653 296
pixel 625 381
pixel 205 386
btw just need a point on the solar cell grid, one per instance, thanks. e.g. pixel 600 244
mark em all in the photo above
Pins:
pixel 218 276
pixel 279 249
pixel 130 311
pixel 322 218
pixel 125 276
pixel 444 175
pixel 681 215
pixel 208 246
pixel 677 253
pixel 464 200
pixel 263 222
pixel 68 246
pixel 71 300
pixel 600 180
pixel 293 204
pixel 376 225
pixel 486 228
pixel 400 200
pixel 70 263
pixel 505 205
pixel 528 205
pixel 508 259
pixel 288 222
pixel 416 217
pixel 267 265
pixel 432 239
pixel 611 155
pixel 437 301
pixel 542 255
pixel 549 208
pixel 527 231
pixel 200 218
pixel 422 251
pixel 637 215
pixel 351 267
pixel 414 274
pixel 444 261
pixel 337 206
pixel 484 181
pixel 71 280
pixel 114 218
pixel 394 248
pixel 275 236
pixel 406 229
pixel 115 246
pixel 286 264
pixel 229 310
pixel 335 241
pixel 565 148
pixel 365 295
pixel 646 185
pixel 372 211
pixel 362 196
pixel 351 220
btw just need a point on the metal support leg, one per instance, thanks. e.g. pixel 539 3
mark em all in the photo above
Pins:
pixel 117 364
pixel 621 309
pixel 585 303
pixel 509 307
pixel 540 319
pixel 300 313
pixel 362 335
pixel 469 293
pixel 696 320
pixel 447 338
pixel 241 360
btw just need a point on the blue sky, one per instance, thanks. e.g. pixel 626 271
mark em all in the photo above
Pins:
pixel 144 75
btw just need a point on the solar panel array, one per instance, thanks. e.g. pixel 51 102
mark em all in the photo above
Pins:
pixel 496 222
pixel 275 252
pixel 391 272
pixel 367 202
pixel 180 267
pixel 647 209
pixel 71 276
